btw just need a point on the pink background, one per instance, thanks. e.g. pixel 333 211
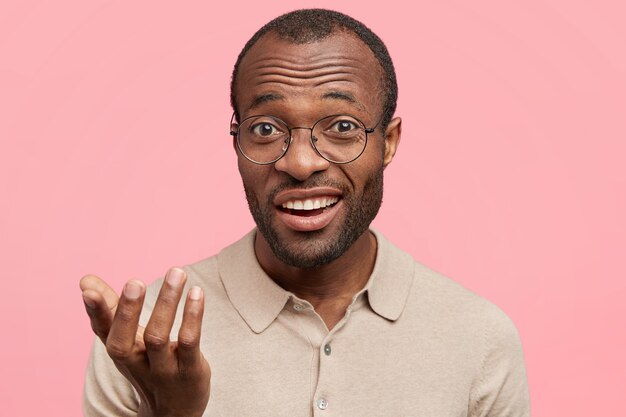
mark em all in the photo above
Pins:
pixel 115 160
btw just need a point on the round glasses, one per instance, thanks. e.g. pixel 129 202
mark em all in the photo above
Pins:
pixel 339 138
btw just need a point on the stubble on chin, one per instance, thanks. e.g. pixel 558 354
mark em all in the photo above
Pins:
pixel 311 250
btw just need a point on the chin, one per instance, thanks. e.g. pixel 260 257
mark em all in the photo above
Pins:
pixel 310 250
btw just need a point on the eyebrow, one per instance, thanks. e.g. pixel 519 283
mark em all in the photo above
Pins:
pixel 264 98
pixel 345 96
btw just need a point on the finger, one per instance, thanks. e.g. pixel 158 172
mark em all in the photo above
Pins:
pixel 100 303
pixel 121 340
pixel 188 347
pixel 157 333
pixel 100 316
pixel 92 282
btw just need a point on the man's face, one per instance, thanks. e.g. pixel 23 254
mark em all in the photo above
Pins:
pixel 300 84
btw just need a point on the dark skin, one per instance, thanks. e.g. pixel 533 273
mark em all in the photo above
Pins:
pixel 172 378
pixel 304 82
pixel 329 296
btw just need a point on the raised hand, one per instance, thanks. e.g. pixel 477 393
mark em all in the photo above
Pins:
pixel 172 378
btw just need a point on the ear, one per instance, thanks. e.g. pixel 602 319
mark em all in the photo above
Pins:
pixel 233 128
pixel 392 139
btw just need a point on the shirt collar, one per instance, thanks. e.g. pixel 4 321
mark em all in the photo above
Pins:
pixel 254 295
pixel 259 300
pixel 389 285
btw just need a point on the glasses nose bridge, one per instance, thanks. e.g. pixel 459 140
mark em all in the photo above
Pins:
pixel 305 159
pixel 300 128
pixel 310 137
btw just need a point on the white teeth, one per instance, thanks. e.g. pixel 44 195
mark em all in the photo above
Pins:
pixel 310 204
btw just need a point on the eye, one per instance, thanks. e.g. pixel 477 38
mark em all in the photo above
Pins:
pixel 343 126
pixel 264 129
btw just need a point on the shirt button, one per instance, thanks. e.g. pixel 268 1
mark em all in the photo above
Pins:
pixel 298 307
pixel 322 404
pixel 327 349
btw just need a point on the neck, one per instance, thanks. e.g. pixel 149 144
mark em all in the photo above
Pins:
pixel 330 287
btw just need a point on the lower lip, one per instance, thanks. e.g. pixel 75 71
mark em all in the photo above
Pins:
pixel 309 223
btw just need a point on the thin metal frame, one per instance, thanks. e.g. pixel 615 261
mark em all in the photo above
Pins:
pixel 312 139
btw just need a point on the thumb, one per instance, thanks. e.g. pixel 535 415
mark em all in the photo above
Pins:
pixel 91 284
pixel 100 302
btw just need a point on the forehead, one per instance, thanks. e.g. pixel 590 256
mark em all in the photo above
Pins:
pixel 339 71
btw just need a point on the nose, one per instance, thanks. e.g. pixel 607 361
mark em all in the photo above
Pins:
pixel 301 159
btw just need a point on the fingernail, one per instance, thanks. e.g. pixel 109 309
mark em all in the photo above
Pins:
pixel 195 293
pixel 89 302
pixel 175 276
pixel 132 290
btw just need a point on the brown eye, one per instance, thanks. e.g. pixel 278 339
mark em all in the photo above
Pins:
pixel 343 126
pixel 264 129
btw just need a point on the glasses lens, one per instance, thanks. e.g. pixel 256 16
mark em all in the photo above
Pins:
pixel 263 139
pixel 339 139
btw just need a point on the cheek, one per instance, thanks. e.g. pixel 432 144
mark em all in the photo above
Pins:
pixel 371 160
pixel 247 176
pixel 254 177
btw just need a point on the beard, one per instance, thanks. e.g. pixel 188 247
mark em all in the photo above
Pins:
pixel 312 249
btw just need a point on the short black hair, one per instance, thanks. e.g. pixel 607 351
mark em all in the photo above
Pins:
pixel 312 25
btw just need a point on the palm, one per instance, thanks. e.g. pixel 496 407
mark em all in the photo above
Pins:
pixel 170 377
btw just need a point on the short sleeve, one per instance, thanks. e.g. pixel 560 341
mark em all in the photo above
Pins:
pixel 501 389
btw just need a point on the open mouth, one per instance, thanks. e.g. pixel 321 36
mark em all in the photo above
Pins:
pixel 309 207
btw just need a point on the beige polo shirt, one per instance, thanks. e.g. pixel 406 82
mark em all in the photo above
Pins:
pixel 412 343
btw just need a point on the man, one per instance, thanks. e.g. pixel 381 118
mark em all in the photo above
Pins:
pixel 312 313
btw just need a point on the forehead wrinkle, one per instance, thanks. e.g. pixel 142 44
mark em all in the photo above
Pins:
pixel 317 82
pixel 334 80
pixel 333 95
pixel 318 77
pixel 321 68
pixel 305 75
pixel 304 62
pixel 297 82
pixel 295 72
pixel 306 67
pixel 308 73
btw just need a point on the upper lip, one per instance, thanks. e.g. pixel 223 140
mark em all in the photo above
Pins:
pixel 303 194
